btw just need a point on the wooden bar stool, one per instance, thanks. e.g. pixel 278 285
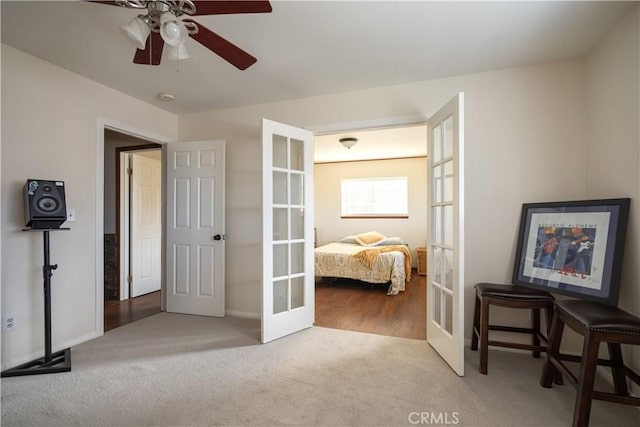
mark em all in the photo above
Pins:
pixel 512 296
pixel 596 323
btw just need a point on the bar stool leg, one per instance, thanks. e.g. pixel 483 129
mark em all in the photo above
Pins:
pixel 553 349
pixel 476 324
pixel 619 378
pixel 548 311
pixel 586 379
pixel 536 333
pixel 548 320
pixel 484 335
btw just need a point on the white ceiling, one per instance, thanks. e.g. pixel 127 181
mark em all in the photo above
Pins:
pixel 401 142
pixel 308 48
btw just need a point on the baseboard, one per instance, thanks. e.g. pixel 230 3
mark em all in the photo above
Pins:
pixel 243 314
pixel 8 364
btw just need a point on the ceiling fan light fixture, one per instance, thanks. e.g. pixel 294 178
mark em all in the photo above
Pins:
pixel 178 52
pixel 136 31
pixel 168 22
pixel 348 142
pixel 172 31
pixel 166 96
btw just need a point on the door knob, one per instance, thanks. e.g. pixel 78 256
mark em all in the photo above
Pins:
pixel 217 237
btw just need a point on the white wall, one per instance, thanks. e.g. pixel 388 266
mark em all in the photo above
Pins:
pixel 327 204
pixel 520 126
pixel 613 78
pixel 50 131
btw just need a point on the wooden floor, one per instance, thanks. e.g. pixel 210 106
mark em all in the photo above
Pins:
pixel 118 313
pixel 356 306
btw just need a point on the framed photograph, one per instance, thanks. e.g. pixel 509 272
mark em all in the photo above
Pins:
pixel 573 248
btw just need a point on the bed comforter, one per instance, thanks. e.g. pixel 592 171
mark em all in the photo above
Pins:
pixel 339 260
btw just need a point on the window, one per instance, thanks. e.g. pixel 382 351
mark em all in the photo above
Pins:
pixel 375 197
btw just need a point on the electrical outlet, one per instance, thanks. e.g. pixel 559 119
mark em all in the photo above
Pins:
pixel 9 323
pixel 71 214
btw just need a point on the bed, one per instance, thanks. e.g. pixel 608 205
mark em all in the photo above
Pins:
pixel 383 261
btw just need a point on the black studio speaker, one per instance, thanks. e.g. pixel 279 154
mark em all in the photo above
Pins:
pixel 44 204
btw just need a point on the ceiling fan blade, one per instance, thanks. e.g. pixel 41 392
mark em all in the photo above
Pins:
pixel 112 3
pixel 225 7
pixel 222 47
pixel 152 52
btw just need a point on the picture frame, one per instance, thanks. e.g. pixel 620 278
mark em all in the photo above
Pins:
pixel 573 248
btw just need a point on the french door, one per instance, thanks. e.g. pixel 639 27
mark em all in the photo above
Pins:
pixel 445 242
pixel 288 283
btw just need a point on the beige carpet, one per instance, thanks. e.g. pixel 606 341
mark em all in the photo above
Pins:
pixel 177 370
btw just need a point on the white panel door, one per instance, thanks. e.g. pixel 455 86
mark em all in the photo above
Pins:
pixel 146 225
pixel 445 274
pixel 288 285
pixel 195 228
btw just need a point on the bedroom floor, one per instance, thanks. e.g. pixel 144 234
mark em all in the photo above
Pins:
pixel 357 306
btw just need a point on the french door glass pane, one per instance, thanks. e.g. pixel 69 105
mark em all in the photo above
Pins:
pixel 280 296
pixel 297 223
pixel 437 265
pixel 297 189
pixel 297 258
pixel 437 184
pixel 279 188
pixel 437 144
pixel 448 137
pixel 448 225
pixel 279 151
pixel 448 312
pixel 448 269
pixel 437 305
pixel 448 181
pixel 297 155
pixel 280 230
pixel 297 292
pixel 280 260
pixel 437 224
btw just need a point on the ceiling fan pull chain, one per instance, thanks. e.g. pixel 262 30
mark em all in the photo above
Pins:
pixel 150 50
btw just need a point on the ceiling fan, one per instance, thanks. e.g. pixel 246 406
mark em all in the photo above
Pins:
pixel 168 21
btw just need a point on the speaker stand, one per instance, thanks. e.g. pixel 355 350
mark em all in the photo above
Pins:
pixel 51 362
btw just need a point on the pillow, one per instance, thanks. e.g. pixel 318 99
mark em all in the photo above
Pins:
pixel 348 239
pixel 391 241
pixel 370 238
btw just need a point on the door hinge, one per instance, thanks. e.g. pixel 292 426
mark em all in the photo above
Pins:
pixel 129 279
pixel 129 171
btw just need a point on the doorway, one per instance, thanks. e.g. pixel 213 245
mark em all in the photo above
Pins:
pixel 387 152
pixel 123 302
pixel 358 306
